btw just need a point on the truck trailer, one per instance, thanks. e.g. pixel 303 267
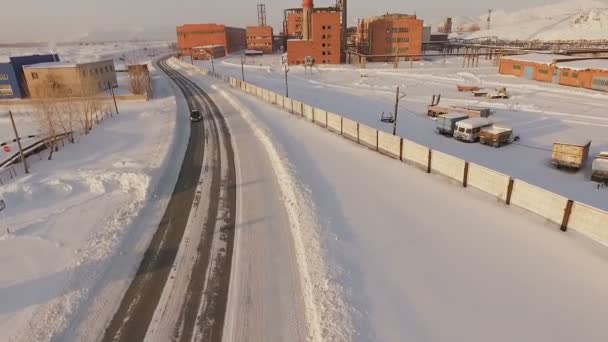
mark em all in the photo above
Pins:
pixel 599 170
pixel 570 154
pixel 446 123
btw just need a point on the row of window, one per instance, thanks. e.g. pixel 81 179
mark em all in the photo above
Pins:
pixel 326 27
pixel 258 37
pixel 397 29
pixel 397 40
pixel 567 74
pixel 326 53
pixel 97 71
pixel 326 45
pixel 326 36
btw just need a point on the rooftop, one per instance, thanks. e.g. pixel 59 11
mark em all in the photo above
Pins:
pixel 49 65
pixel 594 64
pixel 543 58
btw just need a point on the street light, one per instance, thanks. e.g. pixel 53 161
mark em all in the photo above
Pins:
pixel 286 84
pixel 243 68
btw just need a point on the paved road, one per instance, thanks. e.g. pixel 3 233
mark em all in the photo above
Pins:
pixel 201 316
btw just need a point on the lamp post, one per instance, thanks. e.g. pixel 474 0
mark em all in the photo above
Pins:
pixel 243 68
pixel 286 84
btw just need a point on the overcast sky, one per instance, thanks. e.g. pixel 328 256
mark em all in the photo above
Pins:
pixel 43 20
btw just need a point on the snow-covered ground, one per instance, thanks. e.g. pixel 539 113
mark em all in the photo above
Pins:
pixel 540 113
pixel 566 20
pixel 417 258
pixel 78 224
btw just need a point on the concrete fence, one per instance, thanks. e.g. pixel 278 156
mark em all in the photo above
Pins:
pixel 555 208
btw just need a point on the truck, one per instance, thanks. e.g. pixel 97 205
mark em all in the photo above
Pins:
pixel 496 135
pixel 446 123
pixel 599 169
pixel 570 154
pixel 471 111
pixel 468 130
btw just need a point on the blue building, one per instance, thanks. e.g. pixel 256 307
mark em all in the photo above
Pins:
pixel 12 80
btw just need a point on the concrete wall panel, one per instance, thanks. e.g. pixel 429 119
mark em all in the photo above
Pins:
pixel 368 136
pixel 287 104
pixel 389 144
pixel 308 112
pixel 414 153
pixel 320 117
pixel 297 107
pixel 334 122
pixel 589 221
pixel 539 201
pixel 489 181
pixel 279 100
pixel 447 165
pixel 349 129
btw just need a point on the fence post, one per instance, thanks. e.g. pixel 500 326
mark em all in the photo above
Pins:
pixel 341 125
pixel 401 149
pixel 358 141
pixel 465 179
pixel 430 161
pixel 567 213
pixel 510 190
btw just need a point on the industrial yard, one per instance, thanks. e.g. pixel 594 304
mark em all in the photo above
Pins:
pixel 310 170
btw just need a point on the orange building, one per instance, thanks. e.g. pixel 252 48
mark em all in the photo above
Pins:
pixel 320 36
pixel 259 38
pixel 294 24
pixel 390 34
pixel 194 35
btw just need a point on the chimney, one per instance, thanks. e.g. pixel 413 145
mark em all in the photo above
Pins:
pixel 307 7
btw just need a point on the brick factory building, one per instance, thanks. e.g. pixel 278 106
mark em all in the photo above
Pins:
pixel 12 80
pixel 193 35
pixel 390 35
pixel 259 38
pixel 61 79
pixel 319 35
pixel 558 69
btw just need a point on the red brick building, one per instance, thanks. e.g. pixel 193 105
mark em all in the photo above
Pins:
pixel 320 34
pixel 193 35
pixel 259 38
pixel 390 34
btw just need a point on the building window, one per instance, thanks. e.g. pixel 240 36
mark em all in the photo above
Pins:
pixel 565 73
pixel 324 27
pixel 329 52
pixel 96 71
pixel 106 68
pixel 516 67
pixel 575 75
pixel 34 75
pixel 543 71
pixel 329 36
pixel 323 45
pixel 329 27
pixel 323 37
pixel 323 53
pixel 3 77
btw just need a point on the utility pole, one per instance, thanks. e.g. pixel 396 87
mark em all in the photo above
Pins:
pixel 113 96
pixel 25 168
pixel 398 97
pixel 212 64
pixel 243 68
pixel 286 84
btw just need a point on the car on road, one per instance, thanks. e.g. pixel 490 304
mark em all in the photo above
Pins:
pixel 195 115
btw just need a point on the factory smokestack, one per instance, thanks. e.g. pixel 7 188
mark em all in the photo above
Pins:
pixel 307 7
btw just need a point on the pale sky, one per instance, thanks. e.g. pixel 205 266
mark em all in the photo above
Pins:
pixel 44 20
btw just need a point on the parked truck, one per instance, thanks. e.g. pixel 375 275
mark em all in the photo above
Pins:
pixel 599 170
pixel 446 123
pixel 570 154
pixel 468 130
pixel 496 135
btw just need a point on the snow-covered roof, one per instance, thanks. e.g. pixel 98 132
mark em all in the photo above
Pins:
pixel 543 58
pixel 497 129
pixel 49 65
pixel 573 141
pixel 594 64
pixel 5 59
pixel 474 122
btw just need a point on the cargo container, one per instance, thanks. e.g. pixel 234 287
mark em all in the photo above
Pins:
pixel 496 135
pixel 599 171
pixel 570 154
pixel 446 123
pixel 468 130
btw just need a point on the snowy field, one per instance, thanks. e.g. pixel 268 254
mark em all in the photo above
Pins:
pixel 540 113
pixel 479 271
pixel 78 224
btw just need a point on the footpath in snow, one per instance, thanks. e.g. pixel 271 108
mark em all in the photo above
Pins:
pixel 78 224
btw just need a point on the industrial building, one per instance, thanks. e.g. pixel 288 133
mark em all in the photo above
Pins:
pixel 12 80
pixel 208 51
pixel 390 35
pixel 194 35
pixel 259 38
pixel 559 69
pixel 61 79
pixel 314 33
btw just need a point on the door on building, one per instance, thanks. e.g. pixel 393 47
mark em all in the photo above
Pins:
pixel 556 74
pixel 529 73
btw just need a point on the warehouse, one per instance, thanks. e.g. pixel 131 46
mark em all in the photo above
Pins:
pixel 390 35
pixel 62 79
pixel 320 36
pixel 259 38
pixel 559 69
pixel 12 81
pixel 193 35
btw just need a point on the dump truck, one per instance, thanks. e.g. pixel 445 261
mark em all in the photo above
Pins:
pixel 599 170
pixel 570 154
pixel 496 135
pixel 446 123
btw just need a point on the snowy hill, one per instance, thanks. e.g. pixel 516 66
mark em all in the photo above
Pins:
pixel 569 20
